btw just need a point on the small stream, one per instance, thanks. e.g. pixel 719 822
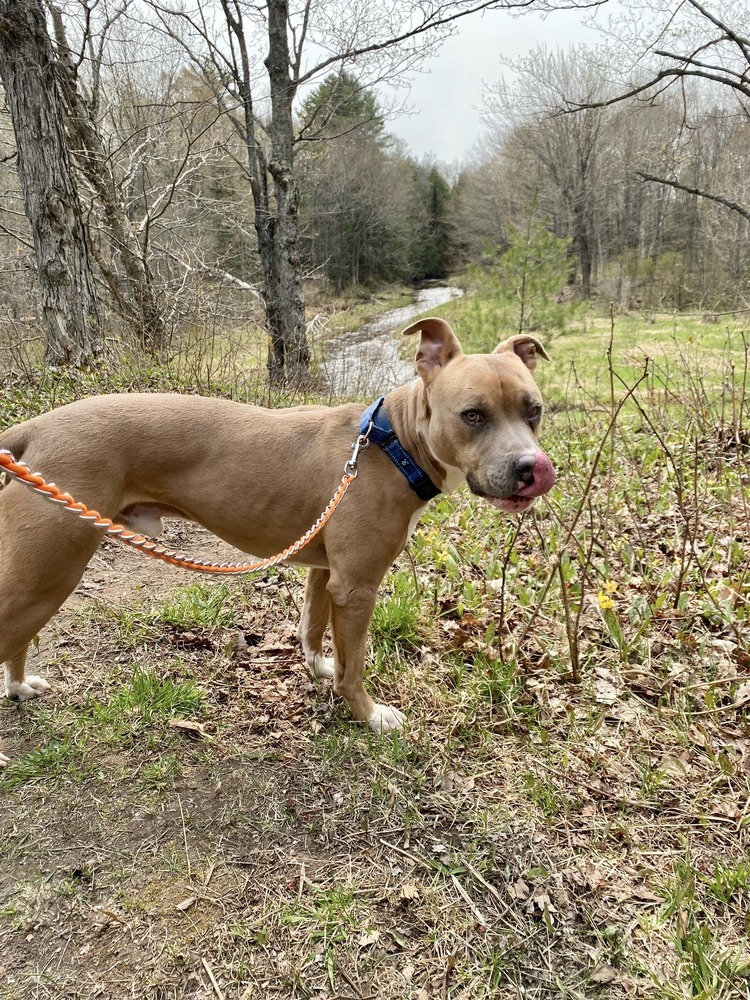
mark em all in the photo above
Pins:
pixel 368 361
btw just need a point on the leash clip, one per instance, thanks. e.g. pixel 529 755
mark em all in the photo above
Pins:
pixel 361 444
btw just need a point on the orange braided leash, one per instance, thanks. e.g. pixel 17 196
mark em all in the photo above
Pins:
pixel 148 547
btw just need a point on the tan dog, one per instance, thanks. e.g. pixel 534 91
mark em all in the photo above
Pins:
pixel 259 478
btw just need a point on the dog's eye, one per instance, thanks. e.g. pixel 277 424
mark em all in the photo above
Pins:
pixel 473 417
pixel 535 413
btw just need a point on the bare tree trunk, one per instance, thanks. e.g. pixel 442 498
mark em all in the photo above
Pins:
pixel 276 209
pixel 289 354
pixel 138 301
pixel 582 243
pixel 50 195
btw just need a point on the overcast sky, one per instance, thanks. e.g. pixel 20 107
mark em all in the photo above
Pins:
pixel 447 96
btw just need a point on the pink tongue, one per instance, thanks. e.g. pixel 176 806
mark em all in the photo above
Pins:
pixel 544 477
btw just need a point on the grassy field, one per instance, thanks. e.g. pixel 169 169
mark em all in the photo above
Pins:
pixel 189 815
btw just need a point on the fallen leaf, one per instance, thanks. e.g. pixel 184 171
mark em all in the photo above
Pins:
pixel 603 974
pixel 519 890
pixel 369 937
pixel 450 781
pixel 409 891
pixel 606 689
pixel 186 726
pixel 543 901
pixel 645 895
pixel 108 914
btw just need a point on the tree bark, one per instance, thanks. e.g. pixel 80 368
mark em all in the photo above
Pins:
pixel 138 302
pixel 69 304
pixel 278 238
pixel 275 194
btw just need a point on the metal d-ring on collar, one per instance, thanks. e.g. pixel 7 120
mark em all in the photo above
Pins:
pixel 375 426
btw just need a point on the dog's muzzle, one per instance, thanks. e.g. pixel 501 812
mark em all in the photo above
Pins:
pixel 534 475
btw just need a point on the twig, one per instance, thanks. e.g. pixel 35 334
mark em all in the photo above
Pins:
pixel 212 977
pixel 630 394
pixel 469 902
pixel 407 854
pixel 184 839
pixel 483 881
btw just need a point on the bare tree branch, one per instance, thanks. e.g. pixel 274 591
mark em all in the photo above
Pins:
pixel 726 202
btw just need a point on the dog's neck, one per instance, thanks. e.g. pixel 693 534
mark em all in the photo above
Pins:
pixel 409 411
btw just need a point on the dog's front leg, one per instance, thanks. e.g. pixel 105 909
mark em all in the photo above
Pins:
pixel 351 612
pixel 20 686
pixel 316 614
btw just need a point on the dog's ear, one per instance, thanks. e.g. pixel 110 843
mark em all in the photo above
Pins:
pixel 437 345
pixel 527 348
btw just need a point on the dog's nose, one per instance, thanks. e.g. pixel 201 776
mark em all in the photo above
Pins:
pixel 535 471
pixel 523 468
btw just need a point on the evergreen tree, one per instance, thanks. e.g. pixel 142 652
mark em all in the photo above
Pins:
pixel 433 242
pixel 339 105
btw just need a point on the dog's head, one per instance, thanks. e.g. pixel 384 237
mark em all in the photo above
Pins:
pixel 481 414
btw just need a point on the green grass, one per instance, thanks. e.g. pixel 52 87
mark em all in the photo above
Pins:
pixel 203 607
pixel 705 965
pixel 51 762
pixel 396 620
pixel 198 605
pixel 72 741
pixel 150 698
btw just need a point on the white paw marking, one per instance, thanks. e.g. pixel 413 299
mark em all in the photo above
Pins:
pixel 31 687
pixel 324 666
pixel 4 760
pixel 386 719
pixel 321 666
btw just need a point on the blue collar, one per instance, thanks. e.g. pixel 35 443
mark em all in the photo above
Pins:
pixel 381 432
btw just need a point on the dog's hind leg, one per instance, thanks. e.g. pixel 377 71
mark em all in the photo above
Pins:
pixel 42 560
pixel 316 614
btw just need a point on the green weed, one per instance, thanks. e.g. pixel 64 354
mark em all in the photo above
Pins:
pixel 149 698
pixel 195 607
pixel 71 740
pixel 396 619
pixel 199 605
pixel 730 881
pixel 546 797
pixel 329 916
pixel 58 758
pixel 161 772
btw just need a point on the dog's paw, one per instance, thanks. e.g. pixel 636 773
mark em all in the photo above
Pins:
pixel 324 666
pixel 31 687
pixel 386 719
pixel 321 666
pixel 4 760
